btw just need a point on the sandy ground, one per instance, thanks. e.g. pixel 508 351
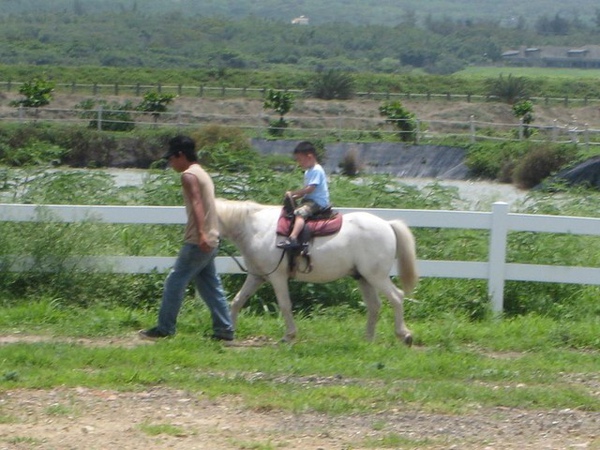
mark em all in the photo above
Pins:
pixel 163 418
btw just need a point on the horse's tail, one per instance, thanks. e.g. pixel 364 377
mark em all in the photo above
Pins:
pixel 406 254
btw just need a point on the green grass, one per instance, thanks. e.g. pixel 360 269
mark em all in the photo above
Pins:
pixel 480 72
pixel 457 365
pixel 163 428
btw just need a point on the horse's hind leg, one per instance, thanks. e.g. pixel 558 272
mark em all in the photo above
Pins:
pixel 250 286
pixel 396 298
pixel 373 304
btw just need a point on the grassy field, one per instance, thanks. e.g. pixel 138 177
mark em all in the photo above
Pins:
pixel 458 363
pixel 529 72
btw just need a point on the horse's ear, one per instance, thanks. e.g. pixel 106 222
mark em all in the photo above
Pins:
pixel 289 204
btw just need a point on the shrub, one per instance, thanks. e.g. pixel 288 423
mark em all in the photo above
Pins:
pixel 401 118
pixel 510 89
pixel 541 162
pixel 523 110
pixel 350 164
pixel 280 102
pixel 332 84
pixel 34 153
pixel 494 160
pixel 36 93
pixel 114 116
pixel 211 135
pixel 155 103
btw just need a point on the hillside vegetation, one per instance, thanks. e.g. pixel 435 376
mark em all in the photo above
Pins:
pixel 385 12
pixel 259 35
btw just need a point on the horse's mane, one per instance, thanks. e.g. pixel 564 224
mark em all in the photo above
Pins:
pixel 235 211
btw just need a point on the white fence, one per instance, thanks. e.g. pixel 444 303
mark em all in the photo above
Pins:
pixel 495 270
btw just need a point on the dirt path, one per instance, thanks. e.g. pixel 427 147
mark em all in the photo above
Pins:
pixel 90 419
pixel 163 418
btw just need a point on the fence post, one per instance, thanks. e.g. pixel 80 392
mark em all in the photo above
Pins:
pixel 417 131
pixel 586 135
pixel 554 131
pixel 472 127
pixel 497 255
pixel 99 118
pixel 521 131
pixel 116 88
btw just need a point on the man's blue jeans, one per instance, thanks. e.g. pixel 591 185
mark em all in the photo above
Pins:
pixel 193 264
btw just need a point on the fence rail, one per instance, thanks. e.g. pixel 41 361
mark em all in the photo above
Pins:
pixel 499 222
pixel 318 125
pixel 139 90
pixel 471 130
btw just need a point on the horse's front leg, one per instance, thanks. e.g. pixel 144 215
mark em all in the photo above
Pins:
pixel 373 304
pixel 282 292
pixel 250 286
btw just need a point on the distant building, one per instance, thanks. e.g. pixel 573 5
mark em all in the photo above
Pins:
pixel 302 20
pixel 586 57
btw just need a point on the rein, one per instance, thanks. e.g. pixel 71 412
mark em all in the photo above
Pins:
pixel 243 269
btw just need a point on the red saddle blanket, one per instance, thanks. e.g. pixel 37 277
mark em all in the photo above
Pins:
pixel 317 226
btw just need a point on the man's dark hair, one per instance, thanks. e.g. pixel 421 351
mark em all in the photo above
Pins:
pixel 305 147
pixel 185 145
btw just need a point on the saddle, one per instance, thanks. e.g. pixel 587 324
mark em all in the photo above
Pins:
pixel 325 223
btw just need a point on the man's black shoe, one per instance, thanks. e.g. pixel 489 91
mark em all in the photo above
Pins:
pixel 152 334
pixel 216 337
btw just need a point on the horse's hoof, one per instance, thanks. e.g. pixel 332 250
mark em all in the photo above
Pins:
pixel 408 340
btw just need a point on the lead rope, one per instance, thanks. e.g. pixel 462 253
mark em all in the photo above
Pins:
pixel 243 269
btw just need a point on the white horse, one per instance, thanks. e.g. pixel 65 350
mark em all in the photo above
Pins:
pixel 364 248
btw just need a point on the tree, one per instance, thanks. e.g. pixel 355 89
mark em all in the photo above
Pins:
pixel 401 118
pixel 523 110
pixel 155 103
pixel 37 93
pixel 281 102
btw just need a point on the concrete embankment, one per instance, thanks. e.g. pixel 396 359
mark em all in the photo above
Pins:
pixel 396 159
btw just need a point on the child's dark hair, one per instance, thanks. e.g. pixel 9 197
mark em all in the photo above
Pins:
pixel 306 148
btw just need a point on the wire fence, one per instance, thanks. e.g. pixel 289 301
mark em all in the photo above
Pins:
pixel 317 126
pixel 202 91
